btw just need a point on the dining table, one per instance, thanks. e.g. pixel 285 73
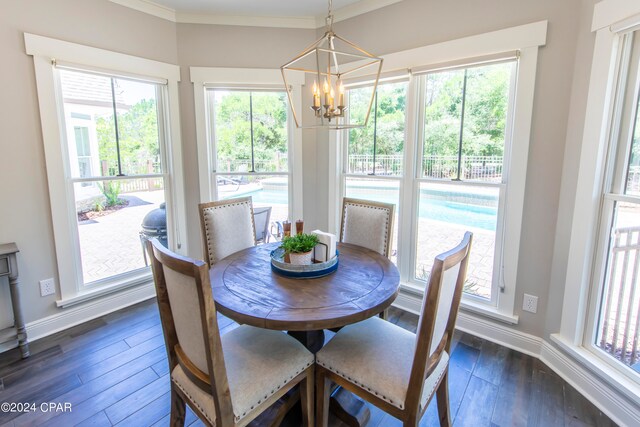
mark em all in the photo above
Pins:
pixel 365 283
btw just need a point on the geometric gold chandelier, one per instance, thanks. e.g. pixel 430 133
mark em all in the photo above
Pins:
pixel 326 62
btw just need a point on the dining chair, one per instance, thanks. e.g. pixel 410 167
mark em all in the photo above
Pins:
pixel 228 380
pixel 367 223
pixel 261 218
pixel 227 227
pixel 392 368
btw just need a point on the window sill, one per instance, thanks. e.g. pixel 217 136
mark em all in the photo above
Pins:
pixel 616 379
pixel 470 306
pixel 144 278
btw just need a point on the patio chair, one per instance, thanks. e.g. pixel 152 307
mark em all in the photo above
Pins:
pixel 227 227
pixel 392 368
pixel 368 224
pixel 228 380
pixel 261 218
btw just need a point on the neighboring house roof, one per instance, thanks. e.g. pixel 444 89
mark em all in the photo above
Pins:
pixel 90 89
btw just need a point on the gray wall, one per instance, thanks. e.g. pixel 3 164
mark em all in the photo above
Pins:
pixel 224 46
pixel 24 197
pixel 559 101
pixel 435 21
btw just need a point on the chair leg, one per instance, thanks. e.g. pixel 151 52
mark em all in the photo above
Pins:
pixel 178 410
pixel 384 315
pixel 306 398
pixel 323 388
pixel 442 396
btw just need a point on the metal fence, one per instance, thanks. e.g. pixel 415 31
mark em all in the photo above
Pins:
pixel 619 333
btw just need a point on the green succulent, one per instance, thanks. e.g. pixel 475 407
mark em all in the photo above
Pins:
pixel 300 243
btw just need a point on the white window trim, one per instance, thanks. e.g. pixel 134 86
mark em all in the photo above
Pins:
pixel 610 18
pixel 591 173
pixel 47 50
pixel 201 77
pixel 526 39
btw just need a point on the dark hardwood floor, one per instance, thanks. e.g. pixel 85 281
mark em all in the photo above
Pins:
pixel 113 371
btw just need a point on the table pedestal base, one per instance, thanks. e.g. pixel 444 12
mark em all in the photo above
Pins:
pixel 345 405
pixel 349 408
pixel 312 340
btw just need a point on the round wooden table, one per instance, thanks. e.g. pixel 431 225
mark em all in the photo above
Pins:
pixel 247 291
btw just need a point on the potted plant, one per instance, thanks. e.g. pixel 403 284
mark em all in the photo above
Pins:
pixel 299 248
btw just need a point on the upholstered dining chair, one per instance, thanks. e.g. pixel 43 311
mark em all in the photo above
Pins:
pixel 228 380
pixel 227 227
pixel 368 224
pixel 261 218
pixel 392 368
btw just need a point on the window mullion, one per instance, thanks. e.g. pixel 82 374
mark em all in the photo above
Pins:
pixel 253 168
pixel 115 124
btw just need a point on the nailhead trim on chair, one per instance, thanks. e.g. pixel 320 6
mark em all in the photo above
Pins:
pixel 202 410
pixel 206 222
pixel 345 376
pixel 386 222
pixel 239 417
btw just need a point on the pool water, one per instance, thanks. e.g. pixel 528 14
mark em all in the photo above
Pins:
pixel 465 214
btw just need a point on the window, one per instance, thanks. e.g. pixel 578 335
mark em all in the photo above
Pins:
pixel 113 153
pixel 374 154
pixel 461 180
pixel 447 142
pixel 615 331
pixel 110 202
pixel 251 140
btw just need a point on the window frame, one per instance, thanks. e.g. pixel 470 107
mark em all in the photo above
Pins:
pixel 205 78
pixel 525 39
pixel 47 53
pixel 611 18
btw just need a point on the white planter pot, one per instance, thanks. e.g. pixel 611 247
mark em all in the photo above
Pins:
pixel 302 258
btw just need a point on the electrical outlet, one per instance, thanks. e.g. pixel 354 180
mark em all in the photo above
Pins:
pixel 530 303
pixel 47 287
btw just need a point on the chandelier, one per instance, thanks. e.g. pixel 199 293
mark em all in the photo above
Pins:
pixel 327 61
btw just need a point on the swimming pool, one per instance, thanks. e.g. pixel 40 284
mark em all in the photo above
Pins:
pixel 473 213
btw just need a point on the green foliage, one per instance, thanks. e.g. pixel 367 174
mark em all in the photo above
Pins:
pixel 232 117
pixel 300 243
pixel 138 138
pixel 484 117
pixel 111 191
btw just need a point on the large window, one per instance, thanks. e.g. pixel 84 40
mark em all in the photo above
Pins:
pixel 119 143
pixel 615 331
pixel 374 153
pixel 251 140
pixel 113 152
pixel 451 176
pixel 461 178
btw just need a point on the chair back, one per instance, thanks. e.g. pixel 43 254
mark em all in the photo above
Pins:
pixel 261 218
pixel 227 227
pixel 189 323
pixel 368 224
pixel 438 314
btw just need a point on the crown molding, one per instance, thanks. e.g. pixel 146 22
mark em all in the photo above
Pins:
pixel 304 22
pixel 149 7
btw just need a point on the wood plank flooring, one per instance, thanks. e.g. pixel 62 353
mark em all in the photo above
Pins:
pixel 113 371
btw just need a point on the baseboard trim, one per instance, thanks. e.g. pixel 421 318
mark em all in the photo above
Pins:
pixel 82 313
pixel 607 398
